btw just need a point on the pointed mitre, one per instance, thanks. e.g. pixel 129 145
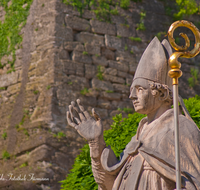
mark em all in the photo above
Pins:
pixel 153 64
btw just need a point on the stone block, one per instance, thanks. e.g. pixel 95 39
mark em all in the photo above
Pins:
pixel 86 37
pixel 61 32
pixel 88 100
pixel 132 67
pixel 99 60
pixel 90 71
pixel 77 23
pixel 92 49
pixel 113 42
pixel 111 96
pixel 117 19
pixel 80 57
pixel 9 79
pixel 101 85
pixel 108 54
pixel 124 74
pixel 110 71
pixel 41 153
pixel 119 66
pixel 73 68
pixel 103 113
pixel 88 14
pixel 79 82
pixel 121 88
pixel 42 67
pixel 62 160
pixel 129 81
pixel 63 54
pixel 102 27
pixel 114 79
pixel 125 30
pixel 13 89
pixel 102 103
pixel 71 46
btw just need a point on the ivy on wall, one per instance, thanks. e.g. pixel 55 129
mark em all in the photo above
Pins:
pixel 16 15
pixel 102 8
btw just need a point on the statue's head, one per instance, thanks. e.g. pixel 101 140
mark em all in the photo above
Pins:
pixel 151 86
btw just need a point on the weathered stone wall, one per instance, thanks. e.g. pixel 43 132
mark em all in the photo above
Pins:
pixel 63 57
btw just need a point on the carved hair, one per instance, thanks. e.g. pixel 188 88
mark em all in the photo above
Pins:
pixel 163 89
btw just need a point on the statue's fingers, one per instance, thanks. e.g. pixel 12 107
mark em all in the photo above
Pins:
pixel 85 113
pixel 74 107
pixel 71 111
pixel 75 119
pixel 96 116
pixel 82 117
pixel 69 120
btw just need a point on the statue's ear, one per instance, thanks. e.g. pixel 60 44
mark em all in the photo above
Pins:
pixel 163 94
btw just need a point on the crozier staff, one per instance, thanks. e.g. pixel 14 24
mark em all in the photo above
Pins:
pixel 148 161
pixel 175 73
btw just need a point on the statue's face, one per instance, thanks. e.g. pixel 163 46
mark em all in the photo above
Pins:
pixel 143 100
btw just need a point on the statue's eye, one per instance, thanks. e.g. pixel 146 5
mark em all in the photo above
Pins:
pixel 140 89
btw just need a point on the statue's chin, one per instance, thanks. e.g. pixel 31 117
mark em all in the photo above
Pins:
pixel 140 109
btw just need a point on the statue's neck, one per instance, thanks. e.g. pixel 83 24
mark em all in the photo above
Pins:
pixel 155 114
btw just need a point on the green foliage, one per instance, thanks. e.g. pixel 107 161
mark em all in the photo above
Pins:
pixel 193 106
pixel 24 165
pixel 128 110
pixel 126 47
pixel 186 7
pixel 26 132
pixel 160 34
pixel 85 53
pixel 84 91
pixel 131 52
pixel 4 135
pixel 99 73
pixel 124 4
pixel 70 83
pixel 114 11
pixel 36 92
pixel 5 155
pixel 140 25
pixel 2 88
pixel 48 87
pixel 125 24
pixel 121 132
pixel 81 176
pixel 15 20
pixel 59 135
pixel 193 80
pixel 109 91
pixel 102 8
pixel 136 39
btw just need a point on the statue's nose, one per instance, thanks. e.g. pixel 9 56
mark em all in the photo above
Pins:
pixel 133 95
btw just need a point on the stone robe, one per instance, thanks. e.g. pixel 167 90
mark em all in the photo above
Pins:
pixel 148 161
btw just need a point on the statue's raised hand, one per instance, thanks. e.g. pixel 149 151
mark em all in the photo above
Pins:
pixel 88 127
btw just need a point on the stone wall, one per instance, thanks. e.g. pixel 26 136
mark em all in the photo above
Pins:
pixel 65 57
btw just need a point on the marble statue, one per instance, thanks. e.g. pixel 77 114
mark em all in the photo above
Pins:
pixel 148 161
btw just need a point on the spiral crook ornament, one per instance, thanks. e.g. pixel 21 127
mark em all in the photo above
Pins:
pixel 181 51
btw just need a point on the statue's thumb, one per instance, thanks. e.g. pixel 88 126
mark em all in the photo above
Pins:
pixel 96 116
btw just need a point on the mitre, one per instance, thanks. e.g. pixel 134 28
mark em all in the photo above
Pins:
pixel 153 64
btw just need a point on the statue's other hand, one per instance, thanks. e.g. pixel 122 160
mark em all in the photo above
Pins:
pixel 88 127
